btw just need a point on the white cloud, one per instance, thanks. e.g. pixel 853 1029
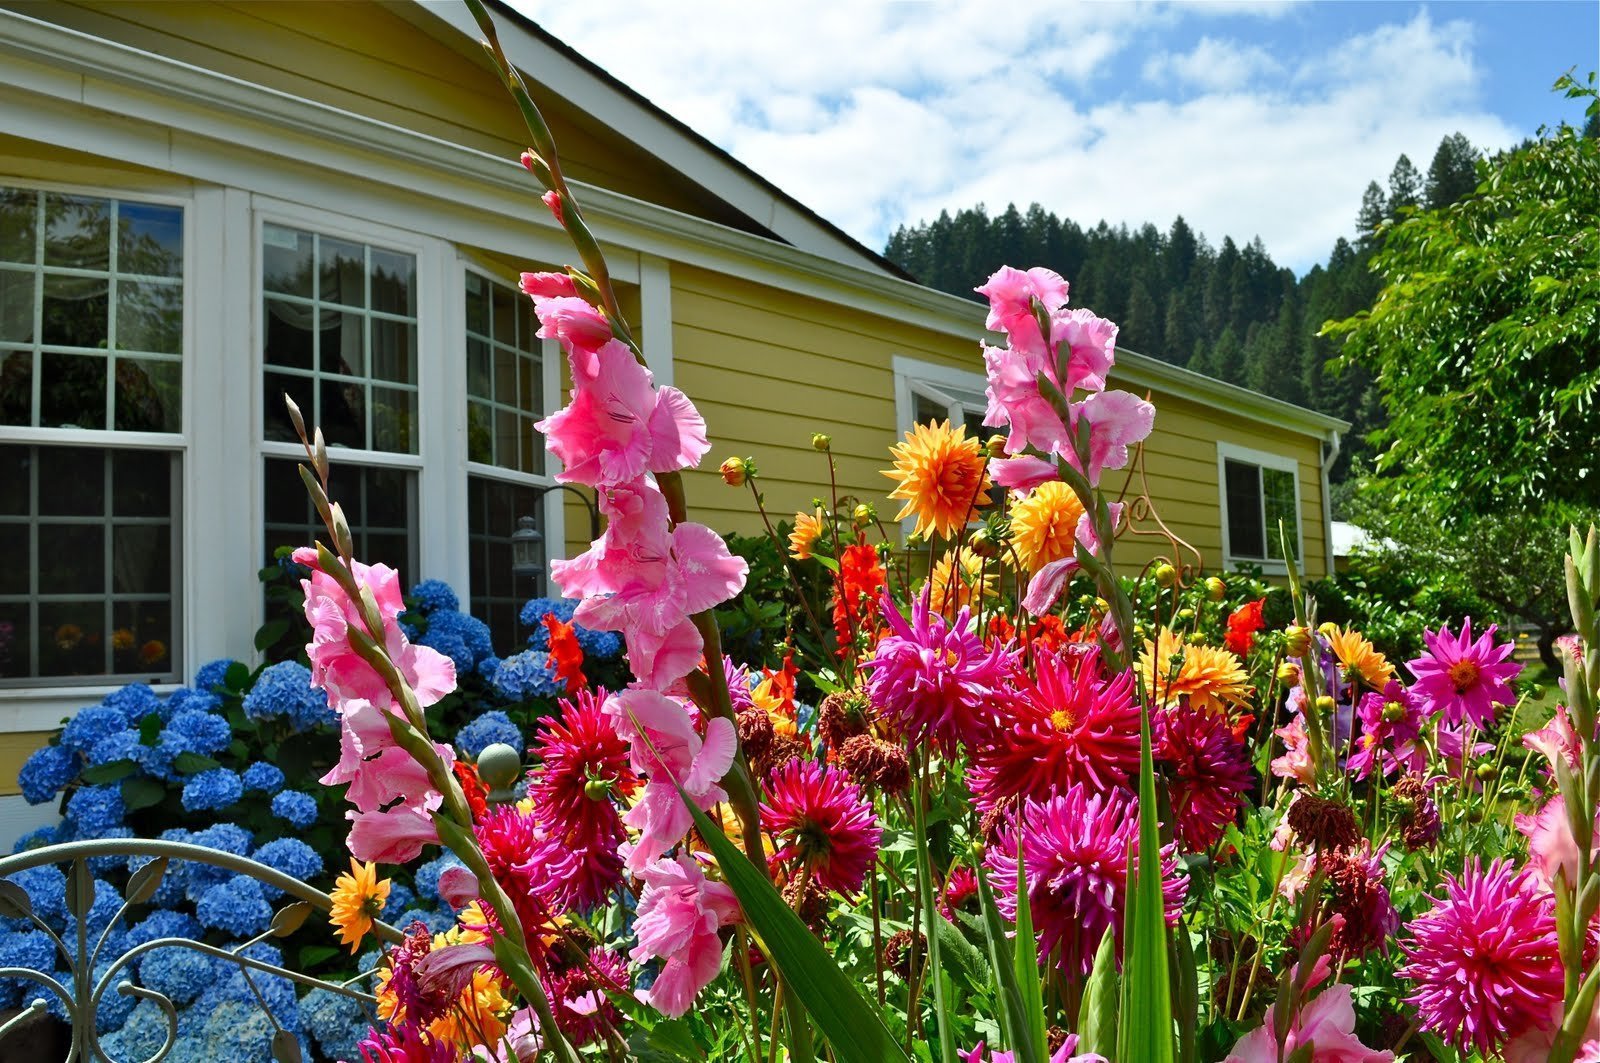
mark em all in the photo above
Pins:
pixel 876 115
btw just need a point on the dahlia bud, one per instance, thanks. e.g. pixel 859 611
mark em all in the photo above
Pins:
pixel 843 715
pixel 1165 575
pixel 1324 704
pixel 1289 674
pixel 1486 771
pixel 877 764
pixel 1296 640
pixel 597 789
pixel 1323 824
pixel 734 472
pixel 1328 629
pixel 996 446
pixel 1194 638
pixel 1185 614
pixel 821 441
pixel 1215 588
pixel 864 513
pixel 1393 712
pixel 980 542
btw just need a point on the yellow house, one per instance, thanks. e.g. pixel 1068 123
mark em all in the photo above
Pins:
pixel 206 205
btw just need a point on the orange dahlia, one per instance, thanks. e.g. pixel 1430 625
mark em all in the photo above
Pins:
pixel 358 899
pixel 1044 524
pixel 807 529
pixel 1212 679
pixel 958 580
pixel 941 475
pixel 1358 659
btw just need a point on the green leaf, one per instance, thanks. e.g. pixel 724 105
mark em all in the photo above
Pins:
pixel 271 632
pixel 851 1025
pixel 150 730
pixel 14 901
pixel 1026 958
pixel 961 957
pixel 1014 1023
pixel 1146 1034
pixel 667 1042
pixel 104 773
pixel 141 792
pixel 188 763
pixel 1097 1016
pixel 313 956
pixel 932 919
pixel 237 677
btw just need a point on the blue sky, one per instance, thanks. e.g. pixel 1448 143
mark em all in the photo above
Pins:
pixel 1249 118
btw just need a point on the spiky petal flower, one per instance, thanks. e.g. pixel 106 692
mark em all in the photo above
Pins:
pixel 1210 773
pixel 1391 733
pixel 940 475
pixel 580 996
pixel 1484 959
pixel 358 899
pixel 819 819
pixel 1044 525
pixel 1212 680
pixel 1358 661
pixel 958 581
pixel 1076 847
pixel 860 580
pixel 1464 677
pixel 1068 725
pixel 807 530
pixel 934 677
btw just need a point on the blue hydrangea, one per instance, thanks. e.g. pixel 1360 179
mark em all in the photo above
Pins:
pixel 263 776
pixel 114 1008
pixel 142 1036
pixel 175 879
pixel 212 673
pixel 534 612
pixel 205 734
pixel 46 773
pixel 236 906
pixel 96 809
pixel 469 629
pixel 28 949
pixel 436 922
pixel 180 973
pixel 234 1029
pixel 230 838
pixel 136 700
pixel 335 1022
pixel 525 675
pixel 400 898
pixel 109 864
pixel 230 987
pixel 212 790
pixel 427 876
pixel 435 594
pixel 291 856
pixel 599 645
pixel 161 761
pixel 163 924
pixel 38 838
pixel 487 729
pixel 124 745
pixel 450 646
pixel 107 902
pixel 596 644
pixel 46 887
pixel 91 725
pixel 489 666
pixel 284 689
pixel 187 699
pixel 295 808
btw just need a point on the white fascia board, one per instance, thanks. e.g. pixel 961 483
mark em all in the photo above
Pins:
pixel 601 100
pixel 233 132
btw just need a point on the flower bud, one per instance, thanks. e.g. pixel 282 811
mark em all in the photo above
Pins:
pixel 1328 629
pixel 1194 638
pixel 553 201
pixel 1215 588
pixel 734 472
pixel 1289 674
pixel 597 789
pixel 980 542
pixel 1324 704
pixel 821 441
pixel 1393 712
pixel 996 446
pixel 1165 575
pixel 864 514
pixel 548 285
pixel 1486 771
pixel 1186 613
pixel 1296 640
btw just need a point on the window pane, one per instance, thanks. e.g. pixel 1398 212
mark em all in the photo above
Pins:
pixel 498 588
pixel 286 260
pixel 1278 488
pixel 74 312
pixel 93 579
pixel 149 239
pixel 1245 530
pixel 505 377
pixel 379 503
pixel 342 269
pixel 16 387
pixel 19 214
pixel 72 391
pixel 77 232
pixel 394 283
pixel 16 306
pixel 926 410
pixel 149 317
pixel 149 395
pixel 290 337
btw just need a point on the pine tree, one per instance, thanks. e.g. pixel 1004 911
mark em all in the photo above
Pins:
pixel 1453 172
pixel 1177 336
pixel 1142 327
pixel 1405 187
pixel 1374 209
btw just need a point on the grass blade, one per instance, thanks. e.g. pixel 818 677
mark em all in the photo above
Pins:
pixel 1027 960
pixel 934 971
pixel 1146 1034
pixel 1097 1016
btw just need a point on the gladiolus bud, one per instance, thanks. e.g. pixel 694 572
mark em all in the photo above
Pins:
pixel 1165 575
pixel 734 472
pixel 548 285
pixel 1289 674
pixel 1215 588
pixel 996 446
pixel 821 441
pixel 864 514
pixel 1324 704
pixel 553 201
pixel 1296 640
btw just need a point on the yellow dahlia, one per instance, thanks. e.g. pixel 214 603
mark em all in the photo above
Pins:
pixel 941 475
pixel 479 1017
pixel 958 579
pixel 807 529
pixel 1044 524
pixel 358 899
pixel 1211 678
pixel 1358 659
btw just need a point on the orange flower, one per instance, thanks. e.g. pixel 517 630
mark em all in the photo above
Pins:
pixel 941 475
pixel 566 654
pixel 1044 524
pixel 122 640
pixel 1213 680
pixel 153 651
pixel 807 529
pixel 774 695
pixel 957 580
pixel 1358 658
pixel 861 578
pixel 472 788
pixel 358 899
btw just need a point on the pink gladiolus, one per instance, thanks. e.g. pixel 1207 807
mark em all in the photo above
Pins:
pixel 679 915
pixel 553 201
pixel 618 426
pixel 335 665
pixel 1551 845
pixel 664 746
pixel 375 767
pixel 1296 760
pixel 1088 345
pixel 549 285
pixel 1015 401
pixel 1117 421
pixel 396 836
pixel 1022 474
pixel 1047 584
pixel 1328 1024
pixel 1011 293
pixel 1557 740
pixel 1067 1053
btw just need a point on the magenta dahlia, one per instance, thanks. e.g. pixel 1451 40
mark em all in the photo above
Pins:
pixel 1485 958
pixel 935 679
pixel 1210 773
pixel 1391 733
pixel 819 820
pixel 1464 677
pixel 581 996
pixel 1068 725
pixel 1075 847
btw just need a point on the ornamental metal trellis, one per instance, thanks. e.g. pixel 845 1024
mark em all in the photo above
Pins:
pixel 81 1000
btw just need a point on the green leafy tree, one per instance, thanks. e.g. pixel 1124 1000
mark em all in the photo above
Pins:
pixel 1485 340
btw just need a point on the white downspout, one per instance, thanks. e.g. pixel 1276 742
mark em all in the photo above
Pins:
pixel 1328 458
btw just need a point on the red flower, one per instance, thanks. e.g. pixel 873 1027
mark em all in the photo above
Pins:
pixel 565 654
pixel 861 578
pixel 473 788
pixel 1243 623
pixel 819 818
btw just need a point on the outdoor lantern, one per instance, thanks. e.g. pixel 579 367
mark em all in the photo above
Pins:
pixel 525 549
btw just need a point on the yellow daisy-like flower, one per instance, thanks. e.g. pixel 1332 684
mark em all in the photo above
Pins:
pixel 1044 524
pixel 479 1017
pixel 1358 658
pixel 958 579
pixel 1211 678
pixel 942 477
pixel 358 899
pixel 807 529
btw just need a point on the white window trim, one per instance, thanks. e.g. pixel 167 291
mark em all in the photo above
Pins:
pixel 913 377
pixel 1266 460
pixel 42 707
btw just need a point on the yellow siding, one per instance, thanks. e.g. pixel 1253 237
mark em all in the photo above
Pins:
pixel 15 747
pixel 767 368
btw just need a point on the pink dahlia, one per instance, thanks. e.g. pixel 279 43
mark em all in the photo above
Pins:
pixel 1485 958
pixel 1210 773
pixel 1069 725
pixel 1327 1025
pixel 1391 733
pixel 580 996
pixel 935 678
pixel 404 1043
pixel 1067 1053
pixel 819 819
pixel 1464 677
pixel 1076 847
